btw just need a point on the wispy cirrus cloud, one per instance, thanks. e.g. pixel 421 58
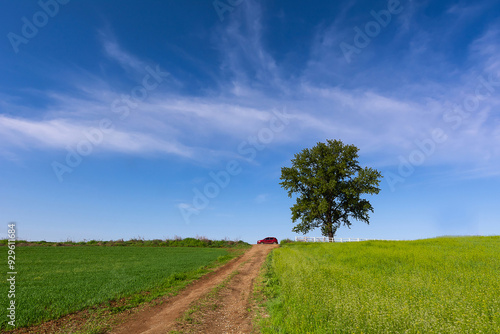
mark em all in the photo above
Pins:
pixel 63 133
pixel 261 198
pixel 375 107
pixel 486 48
pixel 115 52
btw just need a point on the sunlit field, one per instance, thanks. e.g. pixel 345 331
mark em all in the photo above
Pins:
pixel 442 285
pixel 54 281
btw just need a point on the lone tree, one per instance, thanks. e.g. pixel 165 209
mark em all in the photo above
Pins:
pixel 329 183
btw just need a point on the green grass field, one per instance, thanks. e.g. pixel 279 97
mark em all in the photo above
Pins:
pixel 442 285
pixel 53 281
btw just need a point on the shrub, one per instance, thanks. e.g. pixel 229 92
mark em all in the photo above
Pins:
pixel 285 241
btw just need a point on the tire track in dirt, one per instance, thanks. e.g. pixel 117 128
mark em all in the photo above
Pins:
pixel 231 318
pixel 229 309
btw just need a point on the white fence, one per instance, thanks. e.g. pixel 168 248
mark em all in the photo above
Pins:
pixel 327 239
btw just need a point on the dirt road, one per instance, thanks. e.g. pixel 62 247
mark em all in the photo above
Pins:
pixel 231 317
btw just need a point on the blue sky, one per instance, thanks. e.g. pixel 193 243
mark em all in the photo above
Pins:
pixel 122 119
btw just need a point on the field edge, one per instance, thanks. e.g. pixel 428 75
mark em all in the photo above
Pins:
pixel 99 319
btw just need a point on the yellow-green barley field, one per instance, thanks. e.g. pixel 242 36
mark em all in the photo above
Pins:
pixel 442 285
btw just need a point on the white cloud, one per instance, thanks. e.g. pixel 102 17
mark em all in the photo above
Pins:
pixel 485 49
pixel 208 128
pixel 60 134
pixel 245 60
pixel 261 198
pixel 382 122
pixel 115 52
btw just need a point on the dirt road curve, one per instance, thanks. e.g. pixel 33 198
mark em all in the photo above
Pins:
pixel 232 317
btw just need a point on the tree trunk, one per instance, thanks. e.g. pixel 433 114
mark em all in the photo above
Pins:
pixel 330 235
pixel 329 229
pixel 328 226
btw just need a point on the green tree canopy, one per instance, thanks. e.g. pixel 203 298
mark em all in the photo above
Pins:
pixel 329 184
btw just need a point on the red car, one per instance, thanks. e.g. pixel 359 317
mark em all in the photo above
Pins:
pixel 268 240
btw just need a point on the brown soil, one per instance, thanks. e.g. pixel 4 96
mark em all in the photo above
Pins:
pixel 231 316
